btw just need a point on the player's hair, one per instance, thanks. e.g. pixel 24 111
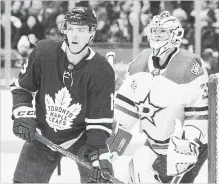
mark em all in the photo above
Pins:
pixel 80 16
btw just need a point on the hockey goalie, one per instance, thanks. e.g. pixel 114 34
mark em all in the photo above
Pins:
pixel 165 92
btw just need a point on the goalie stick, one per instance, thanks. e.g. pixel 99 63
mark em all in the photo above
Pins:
pixel 110 57
pixel 70 155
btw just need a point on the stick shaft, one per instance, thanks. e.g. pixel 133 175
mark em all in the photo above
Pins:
pixel 62 150
pixel 69 154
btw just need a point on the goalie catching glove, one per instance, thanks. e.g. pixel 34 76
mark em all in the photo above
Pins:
pixel 24 125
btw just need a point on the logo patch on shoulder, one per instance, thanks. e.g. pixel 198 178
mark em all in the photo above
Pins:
pixel 133 85
pixel 196 68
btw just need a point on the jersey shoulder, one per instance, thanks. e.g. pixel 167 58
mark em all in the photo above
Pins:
pixel 188 56
pixel 99 60
pixel 139 64
pixel 100 68
pixel 186 67
pixel 47 47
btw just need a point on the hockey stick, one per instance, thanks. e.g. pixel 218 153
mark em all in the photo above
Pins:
pixel 110 57
pixel 70 155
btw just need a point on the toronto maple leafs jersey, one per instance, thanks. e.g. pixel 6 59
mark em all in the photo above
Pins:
pixel 69 99
pixel 157 97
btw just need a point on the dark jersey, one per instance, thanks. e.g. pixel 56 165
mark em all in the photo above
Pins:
pixel 68 99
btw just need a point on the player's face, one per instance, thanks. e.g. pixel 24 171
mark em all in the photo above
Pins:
pixel 78 36
pixel 159 34
pixel 159 37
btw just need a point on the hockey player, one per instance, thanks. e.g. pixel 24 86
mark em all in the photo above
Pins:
pixel 72 87
pixel 165 92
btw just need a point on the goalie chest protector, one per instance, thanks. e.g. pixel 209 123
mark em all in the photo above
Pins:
pixel 161 96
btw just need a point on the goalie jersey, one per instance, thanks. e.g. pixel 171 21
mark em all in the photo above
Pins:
pixel 158 97
pixel 69 99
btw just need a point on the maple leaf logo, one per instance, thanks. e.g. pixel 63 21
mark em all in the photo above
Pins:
pixel 60 114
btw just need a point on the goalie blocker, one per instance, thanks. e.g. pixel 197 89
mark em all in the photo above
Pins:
pixel 119 140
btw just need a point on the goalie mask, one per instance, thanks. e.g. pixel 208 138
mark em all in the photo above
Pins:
pixel 164 32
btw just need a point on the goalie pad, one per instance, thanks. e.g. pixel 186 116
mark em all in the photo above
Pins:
pixel 181 156
pixel 119 140
pixel 140 170
pixel 160 169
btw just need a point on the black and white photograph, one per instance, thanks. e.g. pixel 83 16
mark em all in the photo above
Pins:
pixel 109 91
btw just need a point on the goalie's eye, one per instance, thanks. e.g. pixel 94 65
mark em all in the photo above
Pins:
pixel 163 31
pixel 158 31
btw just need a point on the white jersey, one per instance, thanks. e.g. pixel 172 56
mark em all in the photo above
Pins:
pixel 178 91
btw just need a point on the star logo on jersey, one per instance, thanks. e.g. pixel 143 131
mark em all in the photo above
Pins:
pixel 59 113
pixel 148 110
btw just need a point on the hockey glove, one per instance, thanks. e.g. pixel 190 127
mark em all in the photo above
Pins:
pixel 182 154
pixel 24 125
pixel 119 140
pixel 102 166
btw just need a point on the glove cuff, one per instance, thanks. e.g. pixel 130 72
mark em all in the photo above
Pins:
pixel 24 111
pixel 105 154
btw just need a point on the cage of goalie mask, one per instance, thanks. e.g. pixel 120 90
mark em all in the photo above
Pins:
pixel 80 16
pixel 170 24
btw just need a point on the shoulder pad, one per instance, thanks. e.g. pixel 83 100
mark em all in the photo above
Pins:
pixel 45 48
pixel 139 64
pixel 47 44
pixel 100 68
pixel 196 67
pixel 193 65
pixel 185 67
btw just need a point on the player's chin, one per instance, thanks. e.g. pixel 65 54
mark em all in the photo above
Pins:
pixel 75 47
pixel 157 44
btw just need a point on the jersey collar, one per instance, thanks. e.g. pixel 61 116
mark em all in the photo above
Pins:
pixel 151 66
pixel 90 56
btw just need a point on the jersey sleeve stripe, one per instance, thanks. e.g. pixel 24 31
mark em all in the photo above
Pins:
pixel 126 111
pixel 107 125
pixel 16 85
pixel 196 113
pixel 100 120
pixel 158 147
pixel 99 127
pixel 125 105
pixel 188 109
pixel 125 99
pixel 197 117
